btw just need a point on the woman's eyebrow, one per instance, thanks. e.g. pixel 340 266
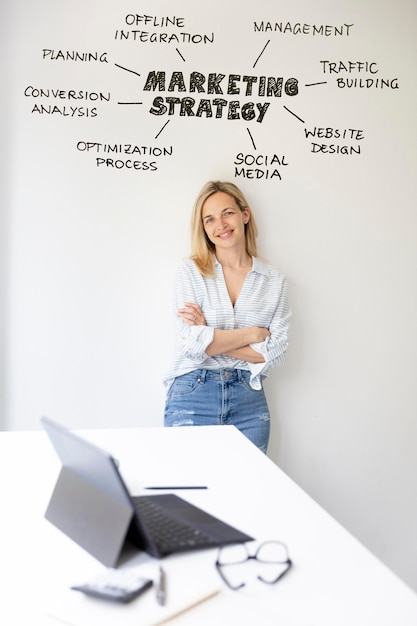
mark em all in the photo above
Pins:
pixel 229 208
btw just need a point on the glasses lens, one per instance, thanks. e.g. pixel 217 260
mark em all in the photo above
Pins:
pixel 233 575
pixel 272 552
pixel 234 554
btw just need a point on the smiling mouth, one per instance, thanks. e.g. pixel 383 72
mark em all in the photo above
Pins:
pixel 225 235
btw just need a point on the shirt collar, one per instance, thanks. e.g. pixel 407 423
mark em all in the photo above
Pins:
pixel 257 265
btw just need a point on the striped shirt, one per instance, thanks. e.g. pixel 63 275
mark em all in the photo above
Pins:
pixel 262 302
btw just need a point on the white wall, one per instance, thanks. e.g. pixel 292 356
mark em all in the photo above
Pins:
pixel 89 252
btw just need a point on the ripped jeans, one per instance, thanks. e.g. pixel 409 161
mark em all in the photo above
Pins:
pixel 216 397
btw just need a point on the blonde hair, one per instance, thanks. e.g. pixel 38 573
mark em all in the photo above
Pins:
pixel 202 249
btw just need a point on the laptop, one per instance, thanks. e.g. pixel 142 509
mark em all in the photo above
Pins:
pixel 92 505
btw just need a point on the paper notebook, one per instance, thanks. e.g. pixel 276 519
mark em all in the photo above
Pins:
pixel 76 609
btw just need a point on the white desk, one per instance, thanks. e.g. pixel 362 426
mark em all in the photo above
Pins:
pixel 335 581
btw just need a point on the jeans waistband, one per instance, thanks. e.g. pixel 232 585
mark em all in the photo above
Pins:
pixel 225 375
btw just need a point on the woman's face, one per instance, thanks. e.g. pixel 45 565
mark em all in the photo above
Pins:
pixel 223 221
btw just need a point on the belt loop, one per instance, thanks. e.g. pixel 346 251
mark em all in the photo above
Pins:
pixel 202 376
pixel 240 377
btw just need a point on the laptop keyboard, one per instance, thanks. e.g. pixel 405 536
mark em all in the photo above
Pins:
pixel 168 533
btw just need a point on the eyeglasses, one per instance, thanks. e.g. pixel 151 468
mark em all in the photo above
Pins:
pixel 272 561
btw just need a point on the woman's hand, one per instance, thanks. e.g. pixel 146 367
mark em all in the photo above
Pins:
pixel 257 334
pixel 192 314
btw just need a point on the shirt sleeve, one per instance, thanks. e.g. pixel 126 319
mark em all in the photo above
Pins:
pixel 274 348
pixel 192 341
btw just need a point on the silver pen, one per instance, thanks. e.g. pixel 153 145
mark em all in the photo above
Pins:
pixel 161 588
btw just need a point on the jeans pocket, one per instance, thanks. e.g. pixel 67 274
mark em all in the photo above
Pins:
pixel 247 385
pixel 185 384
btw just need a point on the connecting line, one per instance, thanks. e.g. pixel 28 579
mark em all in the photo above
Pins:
pixel 298 118
pixel 126 70
pixel 314 84
pixel 162 129
pixel 180 54
pixel 130 103
pixel 263 50
pixel 250 135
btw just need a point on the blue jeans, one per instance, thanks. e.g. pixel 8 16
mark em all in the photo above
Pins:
pixel 213 397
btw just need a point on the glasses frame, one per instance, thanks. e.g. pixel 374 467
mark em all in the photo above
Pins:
pixel 219 565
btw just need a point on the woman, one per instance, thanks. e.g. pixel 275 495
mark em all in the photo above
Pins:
pixel 233 321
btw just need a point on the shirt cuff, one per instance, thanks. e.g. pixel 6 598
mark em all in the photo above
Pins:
pixel 196 339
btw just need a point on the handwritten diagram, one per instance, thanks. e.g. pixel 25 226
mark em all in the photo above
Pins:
pixel 250 99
